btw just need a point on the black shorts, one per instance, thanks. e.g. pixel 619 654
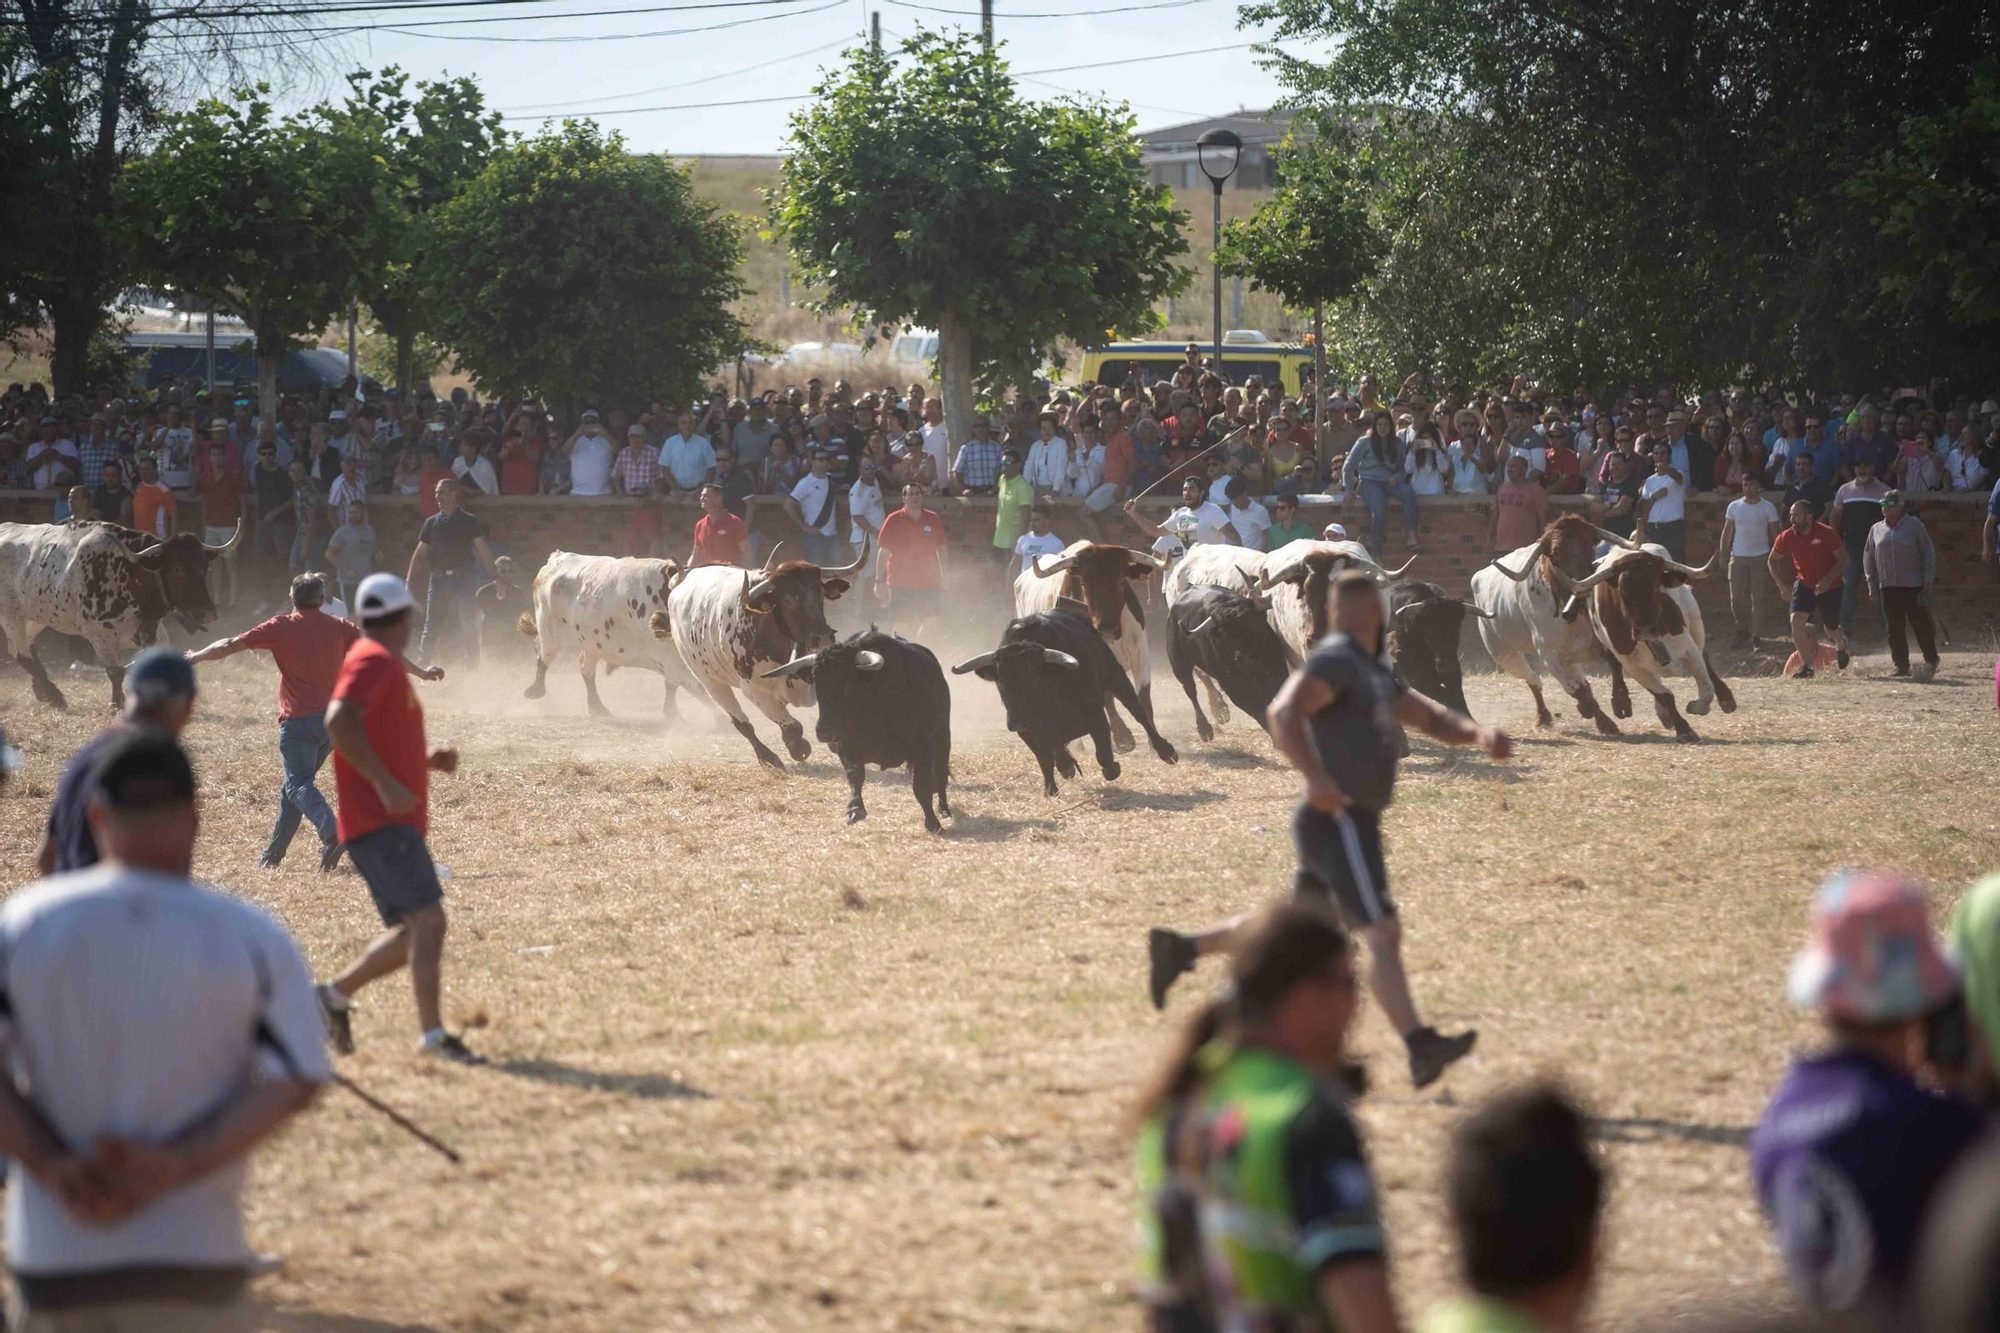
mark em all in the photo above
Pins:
pixel 1340 861
pixel 402 878
pixel 908 604
pixel 1806 602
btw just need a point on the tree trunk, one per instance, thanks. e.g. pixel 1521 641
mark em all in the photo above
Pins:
pixel 1319 368
pixel 955 374
pixel 73 321
pixel 267 377
pixel 406 355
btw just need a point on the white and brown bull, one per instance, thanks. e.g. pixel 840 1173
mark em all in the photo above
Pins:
pixel 108 585
pixel 733 625
pixel 1099 577
pixel 600 608
pixel 1298 576
pixel 1645 614
pixel 1530 628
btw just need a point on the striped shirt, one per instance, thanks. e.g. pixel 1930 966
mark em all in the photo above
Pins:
pixel 1901 556
pixel 638 466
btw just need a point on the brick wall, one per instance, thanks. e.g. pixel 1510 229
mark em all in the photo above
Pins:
pixel 1452 529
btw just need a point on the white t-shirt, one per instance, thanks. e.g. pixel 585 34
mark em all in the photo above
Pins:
pixel 864 500
pixel 1031 546
pixel 1218 491
pixel 1204 524
pixel 1671 507
pixel 481 470
pixel 1754 523
pixel 1088 470
pixel 1251 522
pixel 811 493
pixel 177 457
pixel 938 446
pixel 136 998
pixel 47 474
pixel 590 465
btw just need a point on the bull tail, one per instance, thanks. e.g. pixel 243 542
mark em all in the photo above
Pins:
pixel 662 627
pixel 526 624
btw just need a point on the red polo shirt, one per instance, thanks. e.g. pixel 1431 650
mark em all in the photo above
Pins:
pixel 720 538
pixel 309 647
pixel 910 547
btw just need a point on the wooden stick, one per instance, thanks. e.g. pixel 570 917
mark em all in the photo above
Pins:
pixel 1197 458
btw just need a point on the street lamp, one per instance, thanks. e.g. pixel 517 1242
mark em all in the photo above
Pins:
pixel 1218 150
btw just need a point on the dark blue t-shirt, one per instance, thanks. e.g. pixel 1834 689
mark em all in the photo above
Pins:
pixel 69 823
pixel 1847 1159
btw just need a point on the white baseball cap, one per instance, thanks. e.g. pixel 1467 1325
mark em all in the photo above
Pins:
pixel 1333 532
pixel 382 595
pixel 336 415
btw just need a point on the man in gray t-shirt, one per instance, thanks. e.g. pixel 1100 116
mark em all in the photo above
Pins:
pixel 1335 720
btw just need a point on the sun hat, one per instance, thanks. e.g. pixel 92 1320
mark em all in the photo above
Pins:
pixel 1872 957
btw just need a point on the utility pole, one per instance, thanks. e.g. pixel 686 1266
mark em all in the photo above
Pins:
pixel 210 373
pixel 1236 301
pixel 350 342
pixel 875 31
pixel 986 24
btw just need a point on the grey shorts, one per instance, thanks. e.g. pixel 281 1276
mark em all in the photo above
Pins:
pixel 402 878
pixel 1340 861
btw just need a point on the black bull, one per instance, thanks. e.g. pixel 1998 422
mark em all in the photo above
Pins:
pixel 1055 676
pixel 1228 637
pixel 1424 627
pixel 882 700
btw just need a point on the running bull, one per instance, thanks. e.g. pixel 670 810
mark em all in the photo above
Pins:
pixel 598 607
pixel 1224 635
pixel 108 585
pixel 732 625
pixel 1057 679
pixel 1100 577
pixel 882 700
pixel 1529 628
pixel 1424 628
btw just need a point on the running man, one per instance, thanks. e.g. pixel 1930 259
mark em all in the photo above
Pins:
pixel 1811 554
pixel 308 646
pixel 1335 720
pixel 381 774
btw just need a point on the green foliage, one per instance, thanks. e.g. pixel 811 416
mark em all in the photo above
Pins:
pixel 1314 240
pixel 264 217
pixel 1638 189
pixel 428 143
pixel 920 188
pixel 581 272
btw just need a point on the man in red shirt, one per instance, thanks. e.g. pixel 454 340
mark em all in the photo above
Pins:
pixel 1120 459
pixel 912 563
pixel 381 774
pixel 221 488
pixel 719 536
pixel 1817 561
pixel 308 645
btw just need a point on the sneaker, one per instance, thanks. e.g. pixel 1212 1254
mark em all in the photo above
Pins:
pixel 1841 659
pixel 1803 673
pixel 1925 670
pixel 451 1048
pixel 1173 954
pixel 329 857
pixel 1431 1052
pixel 339 1030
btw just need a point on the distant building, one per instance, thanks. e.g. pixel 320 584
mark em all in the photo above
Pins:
pixel 1169 154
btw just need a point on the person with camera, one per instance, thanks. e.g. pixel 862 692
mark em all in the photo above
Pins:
pixel 1852 1148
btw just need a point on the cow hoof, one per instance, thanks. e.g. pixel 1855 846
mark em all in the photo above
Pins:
pixel 855 814
pixel 1728 703
pixel 1699 707
pixel 770 761
pixel 1168 754
pixel 51 696
pixel 535 691
pixel 798 747
pixel 1203 730
pixel 1621 707
pixel 1687 737
pixel 1111 771
pixel 1605 726
pixel 931 824
pixel 1049 790
pixel 1545 722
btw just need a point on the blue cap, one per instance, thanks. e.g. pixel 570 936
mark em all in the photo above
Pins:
pixel 157 675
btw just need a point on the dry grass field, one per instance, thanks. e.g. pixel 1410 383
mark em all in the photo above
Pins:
pixel 754 1069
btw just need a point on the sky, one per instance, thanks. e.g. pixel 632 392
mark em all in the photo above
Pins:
pixel 618 68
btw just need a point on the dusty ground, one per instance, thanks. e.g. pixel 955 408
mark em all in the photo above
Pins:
pixel 754 1069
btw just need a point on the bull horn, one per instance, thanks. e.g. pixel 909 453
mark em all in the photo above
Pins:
pixel 1500 563
pixel 859 560
pixel 1705 571
pixel 752 592
pixel 1396 573
pixel 793 667
pixel 978 663
pixel 1062 565
pixel 1057 657
pixel 1265 582
pixel 1155 561
pixel 1262 600
pixel 868 660
pixel 1615 539
pixel 1476 609
pixel 229 545
pixel 1583 585
pixel 771 561
pixel 1206 621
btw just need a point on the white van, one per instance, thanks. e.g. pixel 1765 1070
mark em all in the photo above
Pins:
pixel 914 351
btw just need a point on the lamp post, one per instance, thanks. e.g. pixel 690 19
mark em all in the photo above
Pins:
pixel 1218 150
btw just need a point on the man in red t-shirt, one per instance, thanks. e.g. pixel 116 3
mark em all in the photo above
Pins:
pixel 221 488
pixel 719 536
pixel 381 774
pixel 912 563
pixel 1814 556
pixel 308 646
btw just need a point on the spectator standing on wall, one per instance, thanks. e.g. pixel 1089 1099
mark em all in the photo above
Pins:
pixel 977 466
pixel 590 453
pixel 751 437
pixel 687 460
pixel 472 469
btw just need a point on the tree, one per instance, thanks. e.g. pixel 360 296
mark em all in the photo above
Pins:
pixel 1313 241
pixel 1630 189
pixel 432 144
pixel 579 271
pixel 266 218
pixel 920 188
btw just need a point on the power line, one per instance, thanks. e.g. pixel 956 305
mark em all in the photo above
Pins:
pixel 615 36
pixel 404 24
pixel 684 83
pixel 1052 14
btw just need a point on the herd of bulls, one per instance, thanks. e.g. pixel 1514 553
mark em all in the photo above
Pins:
pixel 1072 660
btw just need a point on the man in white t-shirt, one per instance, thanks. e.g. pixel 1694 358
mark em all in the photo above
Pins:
pixel 52 459
pixel 936 441
pixel 1037 541
pixel 1663 501
pixel 130 1118
pixel 866 508
pixel 1747 528
pixel 1197 520
pixel 1250 519
pixel 590 457
pixel 811 505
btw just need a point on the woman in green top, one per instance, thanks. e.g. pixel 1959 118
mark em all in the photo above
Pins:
pixel 1256 1205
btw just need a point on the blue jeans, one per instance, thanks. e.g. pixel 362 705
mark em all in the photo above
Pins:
pixel 1375 495
pixel 303 748
pixel 1850 588
pixel 450 615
